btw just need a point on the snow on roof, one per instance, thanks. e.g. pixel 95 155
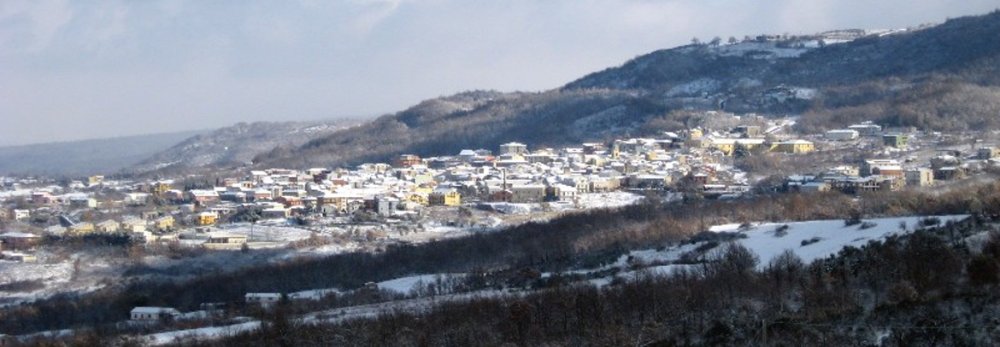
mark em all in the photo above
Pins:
pixel 263 295
pixel 15 234
pixel 796 142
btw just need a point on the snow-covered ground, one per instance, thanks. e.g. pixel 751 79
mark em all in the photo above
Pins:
pixel 406 285
pixel 200 333
pixel 770 48
pixel 267 233
pixel 809 240
pixel 830 236
pixel 57 276
pixel 327 316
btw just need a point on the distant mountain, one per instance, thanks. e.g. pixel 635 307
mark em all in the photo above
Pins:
pixel 940 77
pixel 87 157
pixel 234 145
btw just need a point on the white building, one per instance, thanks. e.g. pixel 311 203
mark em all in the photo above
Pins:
pixel 842 134
pixel 150 314
pixel 262 299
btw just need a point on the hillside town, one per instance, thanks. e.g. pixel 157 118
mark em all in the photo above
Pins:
pixel 475 189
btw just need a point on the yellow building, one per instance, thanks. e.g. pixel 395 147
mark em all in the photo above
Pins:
pixel 160 187
pixel 695 134
pixel 108 226
pixel 448 197
pixel 418 198
pixel 206 218
pixel 793 147
pixel 423 189
pixel 164 223
pixel 728 146
pixel 95 180
pixel 82 228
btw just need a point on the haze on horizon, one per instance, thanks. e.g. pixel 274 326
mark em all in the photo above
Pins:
pixel 78 70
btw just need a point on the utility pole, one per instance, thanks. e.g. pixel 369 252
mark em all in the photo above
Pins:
pixel 763 332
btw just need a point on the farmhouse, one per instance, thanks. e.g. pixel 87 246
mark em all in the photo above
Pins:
pixel 153 314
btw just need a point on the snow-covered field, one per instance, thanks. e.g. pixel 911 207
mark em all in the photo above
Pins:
pixel 267 233
pixel 327 316
pixel 56 276
pixel 823 238
pixel 406 285
pixel 830 236
pixel 809 240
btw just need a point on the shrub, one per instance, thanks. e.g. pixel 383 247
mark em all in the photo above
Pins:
pixel 807 242
pixel 930 221
pixel 781 231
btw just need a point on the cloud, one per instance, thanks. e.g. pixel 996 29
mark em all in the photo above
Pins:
pixel 372 13
pixel 71 70
pixel 44 19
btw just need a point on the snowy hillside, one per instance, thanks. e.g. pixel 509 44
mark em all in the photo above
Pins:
pixel 809 240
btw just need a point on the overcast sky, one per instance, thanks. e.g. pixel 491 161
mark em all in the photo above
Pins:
pixel 89 69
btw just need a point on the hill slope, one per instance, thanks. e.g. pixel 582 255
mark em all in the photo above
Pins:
pixel 235 145
pixel 87 157
pixel 942 77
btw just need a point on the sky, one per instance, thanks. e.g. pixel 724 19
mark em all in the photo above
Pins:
pixel 91 69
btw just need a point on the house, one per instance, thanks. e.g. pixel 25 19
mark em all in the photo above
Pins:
pixel 987 153
pixel 604 185
pixel 163 223
pixel 108 226
pixel 866 129
pixel 729 146
pixel 141 236
pixel 21 215
pixel 648 181
pixel 747 130
pixel 386 206
pixel 19 257
pixel 82 202
pixel 855 185
pixel 223 240
pixel 206 218
pixel 153 314
pixel 42 198
pixel 262 299
pixel 793 147
pixel 136 199
pixel 949 173
pixel 95 180
pixel 895 140
pixel 562 192
pixel 133 225
pixel 870 167
pixel 527 193
pixel 203 197
pixel 160 187
pixel 815 187
pixel 19 240
pixel 919 177
pixel 513 148
pixel 444 197
pixel 841 135
pixel 406 160
pixel 503 195
pixel 81 228
pixel 275 212
pixel 418 198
